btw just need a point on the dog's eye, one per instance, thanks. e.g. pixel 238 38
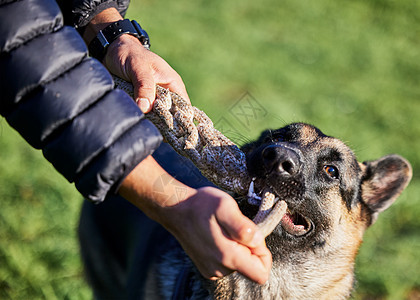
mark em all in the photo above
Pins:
pixel 331 171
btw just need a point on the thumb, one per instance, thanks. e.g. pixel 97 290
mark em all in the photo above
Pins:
pixel 144 92
pixel 238 226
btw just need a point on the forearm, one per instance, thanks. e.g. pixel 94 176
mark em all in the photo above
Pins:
pixel 207 222
pixel 150 188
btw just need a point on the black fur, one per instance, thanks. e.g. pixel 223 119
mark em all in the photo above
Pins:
pixel 333 195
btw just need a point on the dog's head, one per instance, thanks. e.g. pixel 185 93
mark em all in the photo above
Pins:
pixel 331 197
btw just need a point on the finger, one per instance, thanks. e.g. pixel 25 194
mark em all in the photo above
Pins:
pixel 264 254
pixel 255 267
pixel 144 91
pixel 178 88
pixel 222 272
pixel 254 263
pixel 237 226
pixel 211 269
pixel 208 262
pixel 174 84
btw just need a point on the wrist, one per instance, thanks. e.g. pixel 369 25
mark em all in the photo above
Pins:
pixel 121 45
pixel 176 211
pixel 154 191
pixel 98 47
pixel 99 22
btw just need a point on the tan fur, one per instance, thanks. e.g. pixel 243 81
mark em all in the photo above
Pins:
pixel 307 135
pixel 318 263
pixel 325 273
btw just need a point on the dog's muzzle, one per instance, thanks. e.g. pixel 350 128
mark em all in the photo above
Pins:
pixel 281 160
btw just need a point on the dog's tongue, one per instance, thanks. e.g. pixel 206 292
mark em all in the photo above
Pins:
pixel 288 223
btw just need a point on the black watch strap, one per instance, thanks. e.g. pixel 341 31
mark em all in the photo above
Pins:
pixel 100 44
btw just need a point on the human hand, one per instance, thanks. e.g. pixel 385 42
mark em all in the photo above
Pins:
pixel 217 237
pixel 128 59
pixel 207 222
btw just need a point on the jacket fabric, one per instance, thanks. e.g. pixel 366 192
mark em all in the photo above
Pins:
pixel 78 13
pixel 121 247
pixel 63 102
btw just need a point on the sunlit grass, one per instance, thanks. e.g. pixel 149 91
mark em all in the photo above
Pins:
pixel 352 68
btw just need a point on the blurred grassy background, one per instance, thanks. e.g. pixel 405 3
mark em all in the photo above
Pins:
pixel 352 68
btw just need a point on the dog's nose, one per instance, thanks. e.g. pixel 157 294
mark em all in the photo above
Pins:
pixel 281 160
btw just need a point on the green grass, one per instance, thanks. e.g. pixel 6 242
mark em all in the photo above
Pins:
pixel 352 68
pixel 38 216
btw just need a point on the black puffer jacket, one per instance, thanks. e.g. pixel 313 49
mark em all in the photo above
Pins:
pixel 78 13
pixel 63 102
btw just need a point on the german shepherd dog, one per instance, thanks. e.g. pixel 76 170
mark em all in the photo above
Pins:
pixel 332 199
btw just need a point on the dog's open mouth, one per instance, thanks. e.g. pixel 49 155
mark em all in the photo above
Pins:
pixel 296 224
pixel 292 222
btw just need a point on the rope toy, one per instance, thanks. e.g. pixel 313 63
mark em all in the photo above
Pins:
pixel 192 134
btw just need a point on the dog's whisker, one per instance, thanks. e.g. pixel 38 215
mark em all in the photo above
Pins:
pixel 271 135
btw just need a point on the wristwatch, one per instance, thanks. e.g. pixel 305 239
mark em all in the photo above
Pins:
pixel 100 44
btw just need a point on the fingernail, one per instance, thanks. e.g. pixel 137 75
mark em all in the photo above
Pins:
pixel 257 239
pixel 144 104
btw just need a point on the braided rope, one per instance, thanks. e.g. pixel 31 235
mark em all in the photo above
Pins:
pixel 192 134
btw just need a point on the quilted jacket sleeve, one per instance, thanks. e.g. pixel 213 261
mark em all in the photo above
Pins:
pixel 78 13
pixel 63 102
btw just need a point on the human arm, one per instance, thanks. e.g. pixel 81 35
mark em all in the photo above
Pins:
pixel 207 222
pixel 63 102
pixel 128 59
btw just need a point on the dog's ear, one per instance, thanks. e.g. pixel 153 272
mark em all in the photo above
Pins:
pixel 383 181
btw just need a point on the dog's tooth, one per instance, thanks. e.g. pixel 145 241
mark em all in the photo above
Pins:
pixel 252 196
pixel 251 192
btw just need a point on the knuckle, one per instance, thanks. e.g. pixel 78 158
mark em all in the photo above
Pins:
pixel 147 83
pixel 226 204
pixel 178 80
pixel 245 233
